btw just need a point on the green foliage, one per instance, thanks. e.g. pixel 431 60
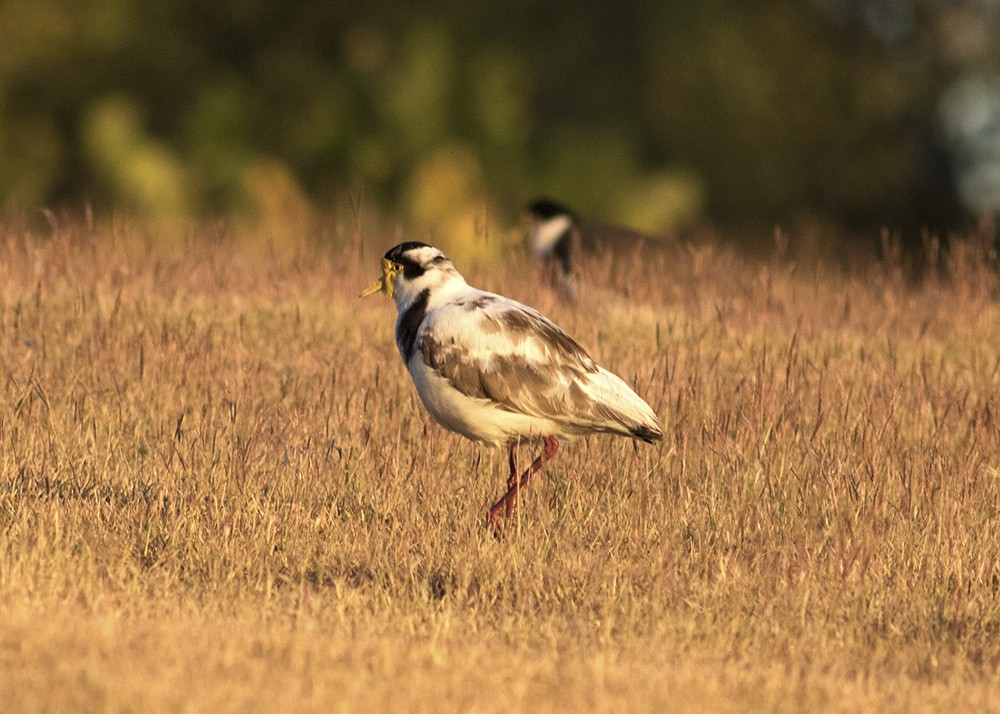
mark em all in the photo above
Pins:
pixel 658 114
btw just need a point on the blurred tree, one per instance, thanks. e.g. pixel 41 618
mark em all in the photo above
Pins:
pixel 857 112
pixel 793 117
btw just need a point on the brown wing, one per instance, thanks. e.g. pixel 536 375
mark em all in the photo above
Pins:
pixel 489 347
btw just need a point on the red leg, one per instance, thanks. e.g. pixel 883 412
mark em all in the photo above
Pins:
pixel 503 510
pixel 512 460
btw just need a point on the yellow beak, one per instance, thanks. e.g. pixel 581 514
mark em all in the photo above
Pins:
pixel 386 283
pixel 377 286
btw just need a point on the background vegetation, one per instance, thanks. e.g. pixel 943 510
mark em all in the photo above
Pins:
pixel 219 491
pixel 851 113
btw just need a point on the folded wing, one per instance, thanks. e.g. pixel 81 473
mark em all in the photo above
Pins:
pixel 492 348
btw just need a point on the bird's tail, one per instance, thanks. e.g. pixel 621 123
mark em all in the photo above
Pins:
pixel 626 412
pixel 649 434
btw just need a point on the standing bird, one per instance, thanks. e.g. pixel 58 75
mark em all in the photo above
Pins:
pixel 497 371
pixel 558 238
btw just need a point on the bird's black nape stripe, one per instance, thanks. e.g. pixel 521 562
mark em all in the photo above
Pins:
pixel 412 271
pixel 409 324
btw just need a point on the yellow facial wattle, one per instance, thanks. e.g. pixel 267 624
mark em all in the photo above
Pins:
pixel 387 282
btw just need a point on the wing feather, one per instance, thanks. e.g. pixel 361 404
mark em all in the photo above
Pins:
pixel 493 348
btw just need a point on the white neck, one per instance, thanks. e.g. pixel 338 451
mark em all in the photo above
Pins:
pixel 443 284
pixel 545 234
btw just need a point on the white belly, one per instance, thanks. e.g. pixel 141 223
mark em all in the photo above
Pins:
pixel 475 418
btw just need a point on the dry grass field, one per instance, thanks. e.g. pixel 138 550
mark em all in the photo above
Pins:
pixel 219 491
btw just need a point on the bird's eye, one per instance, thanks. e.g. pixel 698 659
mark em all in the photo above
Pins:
pixel 398 267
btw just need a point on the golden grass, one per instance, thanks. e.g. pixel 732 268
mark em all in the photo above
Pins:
pixel 220 492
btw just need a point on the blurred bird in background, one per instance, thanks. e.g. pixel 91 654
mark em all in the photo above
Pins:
pixel 561 241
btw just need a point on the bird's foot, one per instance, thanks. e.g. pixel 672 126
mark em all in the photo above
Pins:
pixel 496 523
pixel 502 512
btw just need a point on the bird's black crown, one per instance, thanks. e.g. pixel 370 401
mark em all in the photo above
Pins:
pixel 546 208
pixel 397 254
